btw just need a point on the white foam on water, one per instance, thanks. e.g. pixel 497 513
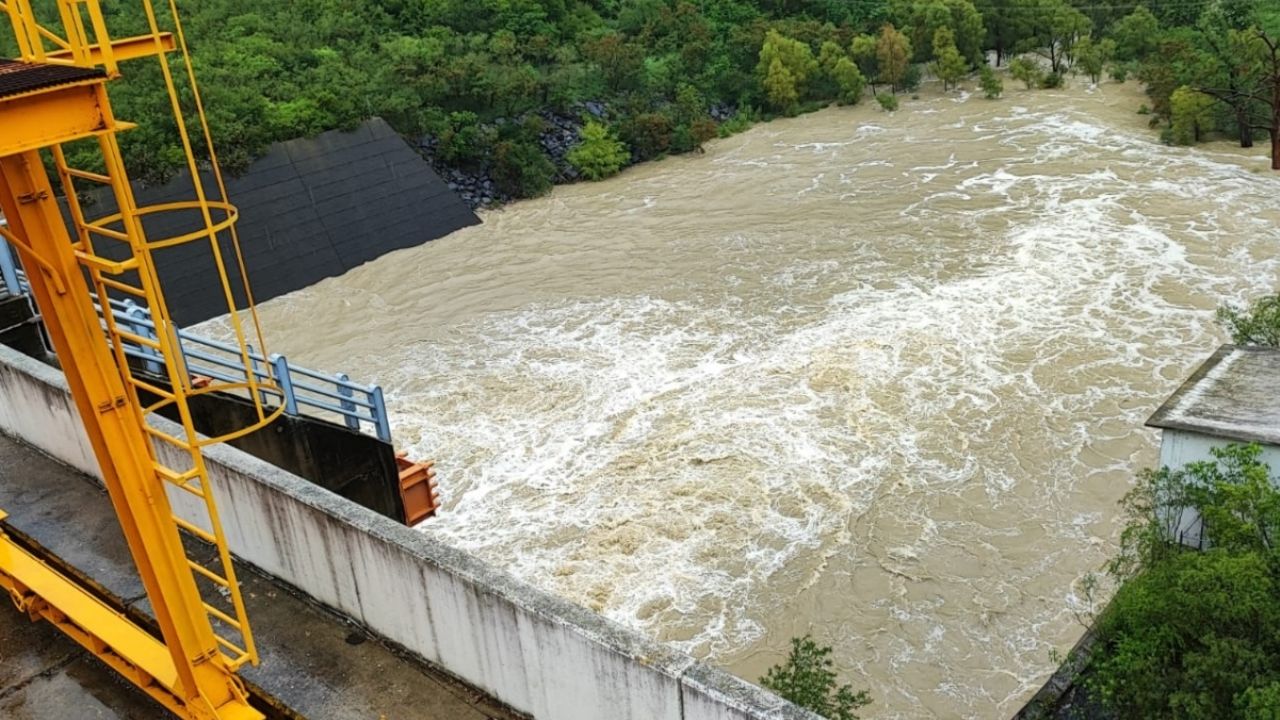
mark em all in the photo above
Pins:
pixel 689 461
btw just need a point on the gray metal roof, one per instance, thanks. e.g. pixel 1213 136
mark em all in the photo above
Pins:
pixel 1235 394
pixel 309 209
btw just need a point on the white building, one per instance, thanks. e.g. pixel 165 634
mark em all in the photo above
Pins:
pixel 1233 397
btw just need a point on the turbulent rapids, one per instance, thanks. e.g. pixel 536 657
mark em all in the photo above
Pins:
pixel 878 376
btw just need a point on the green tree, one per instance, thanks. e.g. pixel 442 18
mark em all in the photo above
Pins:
pixel 599 153
pixel 893 56
pixel 1136 34
pixel 1025 70
pixel 780 87
pixel 1195 634
pixel 849 80
pixel 920 21
pixel 863 50
pixel 1246 78
pixel 1092 57
pixel 1007 23
pixel 521 169
pixel 991 84
pixel 1191 116
pixel 648 134
pixel 785 68
pixel 1055 29
pixel 1259 324
pixel 949 66
pixel 807 679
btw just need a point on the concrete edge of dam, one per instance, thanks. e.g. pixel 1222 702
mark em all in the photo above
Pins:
pixel 531 650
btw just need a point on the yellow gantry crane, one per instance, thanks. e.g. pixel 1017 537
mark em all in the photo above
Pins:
pixel 54 105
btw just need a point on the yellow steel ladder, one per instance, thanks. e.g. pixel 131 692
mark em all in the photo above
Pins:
pixel 53 95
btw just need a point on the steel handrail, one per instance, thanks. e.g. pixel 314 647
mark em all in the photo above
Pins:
pixel 357 404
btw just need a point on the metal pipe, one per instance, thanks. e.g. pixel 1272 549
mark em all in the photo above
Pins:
pixel 8 267
pixel 281 365
pixel 347 405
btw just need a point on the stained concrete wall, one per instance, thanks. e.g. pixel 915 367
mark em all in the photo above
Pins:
pixel 536 652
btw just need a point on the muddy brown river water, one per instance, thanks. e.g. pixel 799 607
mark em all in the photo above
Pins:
pixel 881 377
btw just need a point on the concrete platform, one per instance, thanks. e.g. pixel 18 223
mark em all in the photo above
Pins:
pixel 316 664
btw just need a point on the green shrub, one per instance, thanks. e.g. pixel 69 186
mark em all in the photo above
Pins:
pixel 599 154
pixel 648 134
pixel 1195 634
pixel 1259 324
pixel 1051 80
pixel 991 84
pixel 887 101
pixel 807 680
pixel 1143 109
pixel 1026 71
pixel 1119 72
pixel 521 169
pixel 741 120
pixel 463 141
pixel 912 77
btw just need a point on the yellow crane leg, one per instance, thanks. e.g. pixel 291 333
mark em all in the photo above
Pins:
pixel 200 685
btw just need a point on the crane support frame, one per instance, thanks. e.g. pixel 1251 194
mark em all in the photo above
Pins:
pixel 54 94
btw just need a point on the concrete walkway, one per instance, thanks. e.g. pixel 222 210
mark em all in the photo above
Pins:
pixel 315 663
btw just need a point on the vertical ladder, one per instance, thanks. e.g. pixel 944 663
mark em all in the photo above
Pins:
pixel 178 461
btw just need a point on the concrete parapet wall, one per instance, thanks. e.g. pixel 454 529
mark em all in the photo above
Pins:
pixel 535 652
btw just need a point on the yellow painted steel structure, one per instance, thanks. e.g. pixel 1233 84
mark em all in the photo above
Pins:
pixel 52 95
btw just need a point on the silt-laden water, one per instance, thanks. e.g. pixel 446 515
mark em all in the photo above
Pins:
pixel 877 376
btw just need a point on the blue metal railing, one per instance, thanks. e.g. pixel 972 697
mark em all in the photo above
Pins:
pixel 358 405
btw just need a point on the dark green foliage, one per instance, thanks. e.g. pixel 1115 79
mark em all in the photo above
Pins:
pixel 520 168
pixel 1025 70
pixel 452 69
pixel 1257 325
pixel 1051 80
pixel 991 83
pixel 807 680
pixel 1195 634
pixel 887 101
pixel 648 134
pixel 912 77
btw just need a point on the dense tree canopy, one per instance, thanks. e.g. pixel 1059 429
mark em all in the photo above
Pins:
pixel 465 76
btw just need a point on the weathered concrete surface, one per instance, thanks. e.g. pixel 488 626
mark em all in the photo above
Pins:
pixel 314 662
pixel 1235 394
pixel 534 652
pixel 46 676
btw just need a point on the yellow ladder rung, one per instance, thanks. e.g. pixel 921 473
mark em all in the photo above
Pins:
pixel 143 385
pixel 185 484
pixel 137 339
pixel 112 267
pixel 208 574
pixel 123 287
pixel 205 536
pixel 241 655
pixel 106 232
pixel 191 489
pixel 162 435
pixel 194 490
pixel 86 175
pixel 221 616
pixel 175 477
pixel 239 661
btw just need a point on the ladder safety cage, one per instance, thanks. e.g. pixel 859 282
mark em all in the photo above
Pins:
pixel 53 99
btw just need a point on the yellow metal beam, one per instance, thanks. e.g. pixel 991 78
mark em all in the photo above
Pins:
pixel 42 118
pixel 206 688
pixel 124 49
pixel 43 592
